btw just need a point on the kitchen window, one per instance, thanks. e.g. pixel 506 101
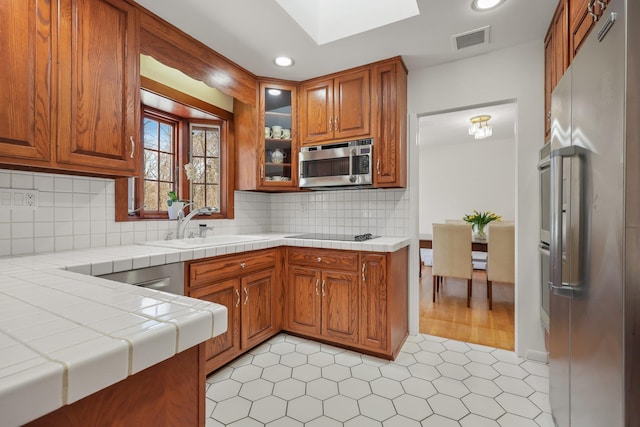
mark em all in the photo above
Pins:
pixel 186 136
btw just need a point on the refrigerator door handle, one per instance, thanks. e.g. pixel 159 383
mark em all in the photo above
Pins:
pixel 559 248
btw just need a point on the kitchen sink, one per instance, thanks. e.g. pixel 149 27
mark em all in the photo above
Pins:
pixel 203 242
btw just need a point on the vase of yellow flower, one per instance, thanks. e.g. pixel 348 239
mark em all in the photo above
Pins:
pixel 479 221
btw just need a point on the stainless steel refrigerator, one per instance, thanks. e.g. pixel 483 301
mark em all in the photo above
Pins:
pixel 594 331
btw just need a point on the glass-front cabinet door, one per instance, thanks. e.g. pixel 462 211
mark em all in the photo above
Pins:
pixel 279 165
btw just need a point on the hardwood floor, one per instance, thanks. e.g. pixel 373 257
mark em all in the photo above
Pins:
pixel 449 316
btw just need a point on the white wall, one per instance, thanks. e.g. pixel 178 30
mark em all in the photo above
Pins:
pixel 458 178
pixel 514 73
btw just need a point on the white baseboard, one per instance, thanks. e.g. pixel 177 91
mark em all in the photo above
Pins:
pixel 538 356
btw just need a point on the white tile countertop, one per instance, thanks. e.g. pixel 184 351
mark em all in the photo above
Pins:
pixel 65 334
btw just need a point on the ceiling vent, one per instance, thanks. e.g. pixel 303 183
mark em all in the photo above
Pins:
pixel 471 38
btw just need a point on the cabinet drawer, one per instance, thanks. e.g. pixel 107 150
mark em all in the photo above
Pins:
pixel 323 258
pixel 201 273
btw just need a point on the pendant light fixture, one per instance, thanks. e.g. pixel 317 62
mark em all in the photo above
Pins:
pixel 480 127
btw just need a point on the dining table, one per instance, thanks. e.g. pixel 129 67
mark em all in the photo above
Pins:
pixel 426 242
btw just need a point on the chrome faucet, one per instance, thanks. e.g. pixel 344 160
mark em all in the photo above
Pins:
pixel 183 220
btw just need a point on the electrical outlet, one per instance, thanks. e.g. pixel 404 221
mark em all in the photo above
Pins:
pixel 19 199
pixel 31 198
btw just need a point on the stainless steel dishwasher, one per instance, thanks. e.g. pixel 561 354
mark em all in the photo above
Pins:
pixel 167 277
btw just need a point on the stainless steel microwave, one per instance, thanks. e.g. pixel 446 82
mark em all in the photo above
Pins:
pixel 338 165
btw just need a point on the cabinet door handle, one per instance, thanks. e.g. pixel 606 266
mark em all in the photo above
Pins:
pixel 261 171
pixel 246 296
pixel 590 10
pixel 133 146
pixel 330 124
pixel 378 166
pixel 317 283
pixel 364 267
pixel 323 288
pixel 336 123
pixel 238 295
pixel 243 265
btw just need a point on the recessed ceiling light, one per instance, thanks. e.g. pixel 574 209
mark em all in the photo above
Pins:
pixel 283 61
pixel 483 5
pixel 274 92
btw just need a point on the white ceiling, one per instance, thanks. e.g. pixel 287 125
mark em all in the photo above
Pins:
pixel 253 32
pixel 451 127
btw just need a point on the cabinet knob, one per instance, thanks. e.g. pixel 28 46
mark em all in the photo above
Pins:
pixel 243 265
pixel 319 259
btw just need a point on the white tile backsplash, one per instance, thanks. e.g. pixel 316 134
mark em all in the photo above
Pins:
pixel 382 212
pixel 78 212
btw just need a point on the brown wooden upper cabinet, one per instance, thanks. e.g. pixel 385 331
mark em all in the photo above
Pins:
pixel 389 111
pixel 583 14
pixel 74 106
pixel 25 76
pixel 335 108
pixel 99 102
pixel 277 143
pixel 556 58
pixel 571 24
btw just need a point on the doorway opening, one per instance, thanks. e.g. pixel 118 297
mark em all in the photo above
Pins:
pixel 460 174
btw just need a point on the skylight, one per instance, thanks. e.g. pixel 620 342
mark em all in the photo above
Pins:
pixel 329 20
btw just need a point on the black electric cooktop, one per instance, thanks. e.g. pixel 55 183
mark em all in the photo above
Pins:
pixel 340 237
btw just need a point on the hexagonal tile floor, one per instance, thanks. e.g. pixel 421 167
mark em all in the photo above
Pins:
pixel 290 381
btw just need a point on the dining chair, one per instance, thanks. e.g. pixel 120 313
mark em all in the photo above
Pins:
pixel 500 257
pixel 452 255
pixel 455 221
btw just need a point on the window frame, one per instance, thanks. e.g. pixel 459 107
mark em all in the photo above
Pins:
pixel 179 156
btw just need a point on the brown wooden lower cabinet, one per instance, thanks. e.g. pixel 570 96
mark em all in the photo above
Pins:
pixel 353 299
pixel 171 393
pixel 248 285
pixel 384 293
pixel 323 303
pixel 364 306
